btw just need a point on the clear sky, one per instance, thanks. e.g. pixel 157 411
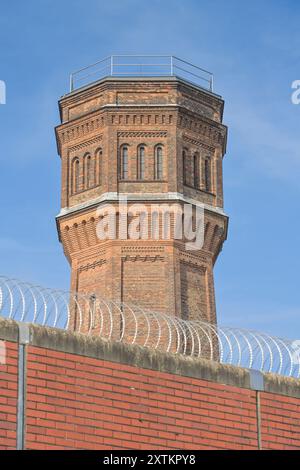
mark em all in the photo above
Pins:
pixel 253 49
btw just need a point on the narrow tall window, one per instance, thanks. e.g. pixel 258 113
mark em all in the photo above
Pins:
pixel 75 176
pixel 196 171
pixel 184 168
pixel 141 163
pixel 207 174
pixel 88 176
pixel 98 167
pixel 158 162
pixel 124 162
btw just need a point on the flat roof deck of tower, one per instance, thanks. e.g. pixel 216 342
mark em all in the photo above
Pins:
pixel 141 66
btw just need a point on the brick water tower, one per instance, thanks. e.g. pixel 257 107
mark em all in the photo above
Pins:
pixel 150 129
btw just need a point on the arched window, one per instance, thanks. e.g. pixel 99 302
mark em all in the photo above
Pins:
pixel 88 172
pixel 98 167
pixel 124 162
pixel 196 171
pixel 75 175
pixel 158 175
pixel 184 166
pixel 141 163
pixel 207 174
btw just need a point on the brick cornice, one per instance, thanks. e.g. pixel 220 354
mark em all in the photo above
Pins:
pixel 198 143
pixel 86 143
pixel 143 134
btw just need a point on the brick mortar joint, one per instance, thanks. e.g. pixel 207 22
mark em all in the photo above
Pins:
pixel 136 356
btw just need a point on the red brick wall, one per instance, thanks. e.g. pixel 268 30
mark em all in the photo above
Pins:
pixel 280 422
pixel 8 397
pixel 79 402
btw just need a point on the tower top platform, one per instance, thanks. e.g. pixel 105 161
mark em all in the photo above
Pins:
pixel 143 66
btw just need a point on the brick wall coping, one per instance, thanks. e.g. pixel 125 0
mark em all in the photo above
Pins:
pixel 136 356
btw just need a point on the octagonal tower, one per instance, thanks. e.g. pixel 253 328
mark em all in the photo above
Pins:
pixel 158 140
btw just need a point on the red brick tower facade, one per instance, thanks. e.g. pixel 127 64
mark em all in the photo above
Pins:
pixel 157 141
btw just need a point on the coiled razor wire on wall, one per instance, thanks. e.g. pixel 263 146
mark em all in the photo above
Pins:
pixel 116 321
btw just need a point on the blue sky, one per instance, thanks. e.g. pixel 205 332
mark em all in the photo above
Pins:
pixel 253 50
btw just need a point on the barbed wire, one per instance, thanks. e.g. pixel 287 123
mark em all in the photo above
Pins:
pixel 131 324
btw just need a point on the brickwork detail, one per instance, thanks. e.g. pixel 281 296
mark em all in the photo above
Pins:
pixel 8 397
pixel 76 402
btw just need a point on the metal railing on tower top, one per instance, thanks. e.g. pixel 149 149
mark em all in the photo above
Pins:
pixel 116 321
pixel 141 66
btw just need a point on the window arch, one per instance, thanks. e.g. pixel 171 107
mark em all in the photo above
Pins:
pixel 98 167
pixel 158 171
pixel 184 166
pixel 196 165
pixel 141 162
pixel 124 162
pixel 75 176
pixel 207 174
pixel 87 171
